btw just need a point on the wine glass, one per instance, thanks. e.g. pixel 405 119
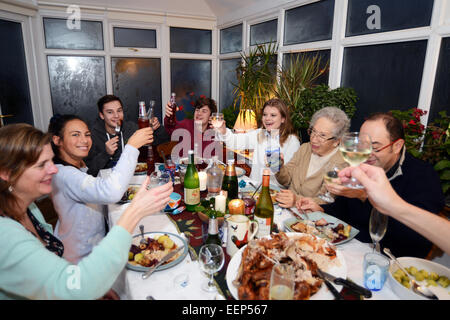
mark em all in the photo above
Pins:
pixel 158 178
pixel 330 175
pixel 282 282
pixel 377 227
pixel 211 258
pixel 355 148
pixel 217 119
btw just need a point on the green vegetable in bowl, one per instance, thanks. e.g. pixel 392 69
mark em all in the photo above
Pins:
pixel 207 207
pixel 431 278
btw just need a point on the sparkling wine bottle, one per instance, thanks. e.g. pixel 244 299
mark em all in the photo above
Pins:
pixel 230 181
pixel 172 121
pixel 213 231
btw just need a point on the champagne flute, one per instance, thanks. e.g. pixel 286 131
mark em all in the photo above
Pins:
pixel 282 282
pixel 211 258
pixel 217 119
pixel 377 227
pixel 355 148
pixel 330 175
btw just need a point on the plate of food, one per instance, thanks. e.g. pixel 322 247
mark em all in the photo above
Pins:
pixel 248 191
pixel 142 257
pixel 130 193
pixel 141 168
pixel 324 226
pixel 248 272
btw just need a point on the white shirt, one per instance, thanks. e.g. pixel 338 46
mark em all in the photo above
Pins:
pixel 249 140
pixel 77 197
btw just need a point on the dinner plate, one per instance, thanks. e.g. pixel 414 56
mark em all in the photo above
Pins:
pixel 323 293
pixel 142 172
pixel 175 238
pixel 314 216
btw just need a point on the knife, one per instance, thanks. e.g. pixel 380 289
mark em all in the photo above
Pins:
pixel 348 284
pixel 164 259
pixel 333 290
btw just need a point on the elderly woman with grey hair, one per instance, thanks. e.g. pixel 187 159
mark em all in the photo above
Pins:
pixel 303 174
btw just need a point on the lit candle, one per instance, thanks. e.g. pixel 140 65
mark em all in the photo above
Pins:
pixel 221 203
pixel 202 177
pixel 236 206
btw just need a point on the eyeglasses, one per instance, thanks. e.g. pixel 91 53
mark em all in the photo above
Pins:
pixel 322 137
pixel 382 148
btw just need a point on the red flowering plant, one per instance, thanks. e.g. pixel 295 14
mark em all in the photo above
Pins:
pixel 430 143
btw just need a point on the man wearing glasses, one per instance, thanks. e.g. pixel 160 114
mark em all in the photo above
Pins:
pixel 414 180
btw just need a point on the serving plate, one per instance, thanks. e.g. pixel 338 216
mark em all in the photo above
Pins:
pixel 141 169
pixel 175 238
pixel 315 216
pixel 323 293
pixel 430 266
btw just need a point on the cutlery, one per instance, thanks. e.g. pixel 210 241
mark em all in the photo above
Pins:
pixel 333 290
pixel 295 213
pixel 117 129
pixel 143 240
pixel 420 290
pixel 164 259
pixel 256 189
pixel 191 250
pixel 348 284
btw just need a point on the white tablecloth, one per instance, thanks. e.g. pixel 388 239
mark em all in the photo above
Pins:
pixel 160 285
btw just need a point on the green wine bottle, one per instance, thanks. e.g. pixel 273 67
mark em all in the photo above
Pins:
pixel 213 231
pixel 191 185
pixel 230 181
pixel 264 208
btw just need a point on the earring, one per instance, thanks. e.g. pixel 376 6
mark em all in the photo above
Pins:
pixel 10 189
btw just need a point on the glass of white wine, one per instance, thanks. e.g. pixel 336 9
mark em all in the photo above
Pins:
pixel 330 175
pixel 282 282
pixel 355 148
pixel 211 258
pixel 377 227
pixel 217 120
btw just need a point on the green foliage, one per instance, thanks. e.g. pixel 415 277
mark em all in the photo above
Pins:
pixel 318 97
pixel 230 115
pixel 431 144
pixel 207 207
pixel 256 76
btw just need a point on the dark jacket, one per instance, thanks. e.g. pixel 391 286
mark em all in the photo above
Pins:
pixel 419 184
pixel 99 159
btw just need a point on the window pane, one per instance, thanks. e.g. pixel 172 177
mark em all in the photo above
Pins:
pixel 59 36
pixel 441 92
pixel 227 81
pixel 184 40
pixel 264 32
pixel 324 55
pixel 137 79
pixel 231 39
pixel 190 76
pixel 14 88
pixel 134 38
pixel 76 83
pixel 389 15
pixel 385 77
pixel 312 22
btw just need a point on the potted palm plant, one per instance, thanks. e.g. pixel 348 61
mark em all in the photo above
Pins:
pixel 256 76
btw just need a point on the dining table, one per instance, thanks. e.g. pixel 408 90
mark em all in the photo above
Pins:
pixel 162 284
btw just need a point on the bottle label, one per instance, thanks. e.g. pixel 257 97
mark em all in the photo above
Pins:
pixel 191 196
pixel 264 225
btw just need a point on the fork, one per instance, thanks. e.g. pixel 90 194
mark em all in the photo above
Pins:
pixel 143 240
